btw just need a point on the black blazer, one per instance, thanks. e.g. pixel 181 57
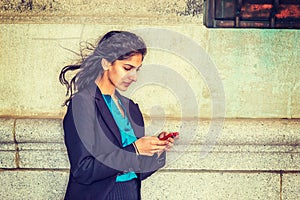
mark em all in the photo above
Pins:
pixel 95 149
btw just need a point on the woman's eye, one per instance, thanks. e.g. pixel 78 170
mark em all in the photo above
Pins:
pixel 127 68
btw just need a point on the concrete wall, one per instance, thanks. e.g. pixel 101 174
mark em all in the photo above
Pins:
pixel 253 155
pixel 252 159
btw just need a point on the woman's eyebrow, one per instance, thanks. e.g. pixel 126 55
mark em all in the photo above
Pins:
pixel 133 66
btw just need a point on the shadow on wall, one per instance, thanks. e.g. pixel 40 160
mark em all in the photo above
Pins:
pixel 29 5
pixel 192 7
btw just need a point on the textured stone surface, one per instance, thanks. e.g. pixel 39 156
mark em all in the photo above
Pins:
pixel 51 185
pixel 242 144
pixel 230 131
pixel 7 146
pixel 244 162
pixel 211 186
pixel 291 186
pixel 39 130
pixel 7 156
pixel 6 130
pixel 43 155
pixel 237 157
pixel 250 158
pixel 32 184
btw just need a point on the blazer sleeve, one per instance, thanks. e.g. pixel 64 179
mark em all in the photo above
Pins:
pixel 148 164
pixel 89 161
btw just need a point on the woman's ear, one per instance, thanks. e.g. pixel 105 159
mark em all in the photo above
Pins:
pixel 105 64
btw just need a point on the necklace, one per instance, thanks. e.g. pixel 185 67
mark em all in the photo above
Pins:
pixel 116 100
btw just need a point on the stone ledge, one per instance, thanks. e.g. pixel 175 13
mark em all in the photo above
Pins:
pixel 258 145
pixel 255 161
pixel 237 132
pixel 234 131
pixel 247 157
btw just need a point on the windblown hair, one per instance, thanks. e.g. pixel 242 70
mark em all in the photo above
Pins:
pixel 114 45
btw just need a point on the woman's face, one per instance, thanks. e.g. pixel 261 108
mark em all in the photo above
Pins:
pixel 121 73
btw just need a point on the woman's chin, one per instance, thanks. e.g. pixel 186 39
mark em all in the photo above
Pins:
pixel 123 88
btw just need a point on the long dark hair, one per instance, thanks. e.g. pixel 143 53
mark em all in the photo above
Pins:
pixel 114 45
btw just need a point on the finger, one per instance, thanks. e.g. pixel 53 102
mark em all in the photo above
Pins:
pixel 162 134
pixel 158 148
pixel 171 140
pixel 156 151
pixel 160 142
pixel 170 145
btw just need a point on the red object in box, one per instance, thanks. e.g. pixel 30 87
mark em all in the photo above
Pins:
pixel 252 13
pixel 172 134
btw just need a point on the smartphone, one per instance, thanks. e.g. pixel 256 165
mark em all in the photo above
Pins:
pixel 171 134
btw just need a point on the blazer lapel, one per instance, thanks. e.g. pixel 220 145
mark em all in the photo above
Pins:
pixel 134 115
pixel 106 115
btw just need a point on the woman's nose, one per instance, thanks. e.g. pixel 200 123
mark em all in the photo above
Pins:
pixel 133 75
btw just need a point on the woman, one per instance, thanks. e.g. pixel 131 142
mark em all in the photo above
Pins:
pixel 108 151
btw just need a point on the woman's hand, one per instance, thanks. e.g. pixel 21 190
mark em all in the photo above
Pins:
pixel 171 140
pixel 149 145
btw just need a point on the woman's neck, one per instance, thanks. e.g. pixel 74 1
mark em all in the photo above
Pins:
pixel 105 84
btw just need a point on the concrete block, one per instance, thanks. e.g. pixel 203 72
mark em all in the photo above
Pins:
pixel 211 186
pixel 249 158
pixel 162 185
pixel 7 156
pixel 6 130
pixel 291 186
pixel 260 132
pixel 39 130
pixel 230 132
pixel 34 185
pixel 43 156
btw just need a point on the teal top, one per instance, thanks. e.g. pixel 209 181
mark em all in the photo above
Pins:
pixel 127 133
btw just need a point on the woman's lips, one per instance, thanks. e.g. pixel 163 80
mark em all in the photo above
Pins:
pixel 127 84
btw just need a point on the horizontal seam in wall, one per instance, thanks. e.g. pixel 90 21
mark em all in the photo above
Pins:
pixel 173 170
pixel 36 169
pixel 231 171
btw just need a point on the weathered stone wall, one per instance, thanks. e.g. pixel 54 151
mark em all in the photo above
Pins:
pixel 252 159
pixel 255 158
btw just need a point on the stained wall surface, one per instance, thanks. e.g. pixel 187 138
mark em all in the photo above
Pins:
pixel 233 94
